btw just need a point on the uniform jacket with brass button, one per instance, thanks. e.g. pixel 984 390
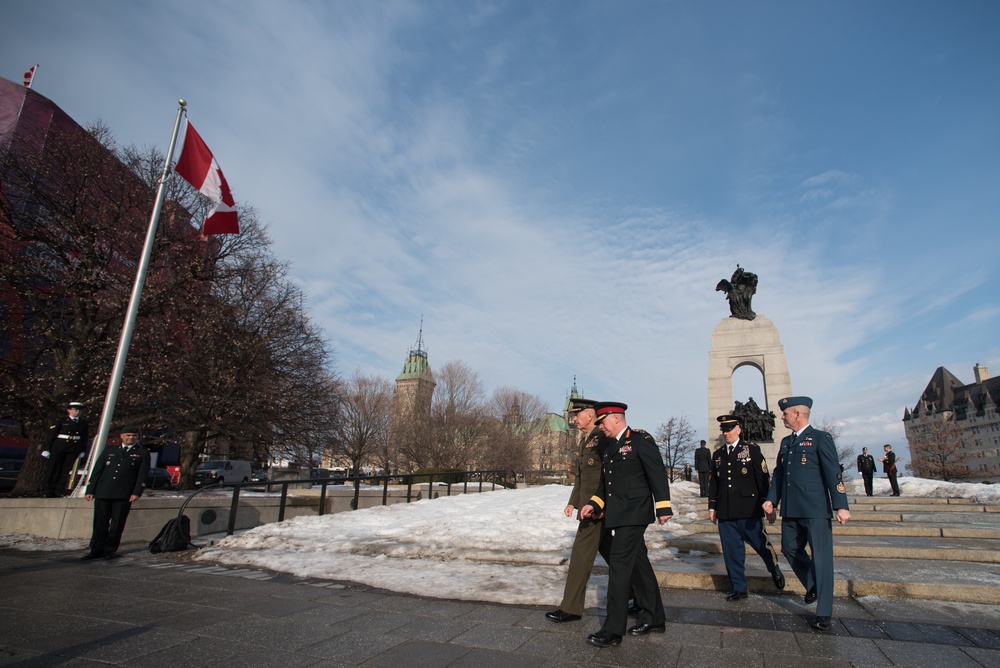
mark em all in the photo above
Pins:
pixel 68 435
pixel 634 489
pixel 738 483
pixel 119 473
pixel 588 467
pixel 807 479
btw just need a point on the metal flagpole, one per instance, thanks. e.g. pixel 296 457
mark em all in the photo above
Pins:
pixel 111 398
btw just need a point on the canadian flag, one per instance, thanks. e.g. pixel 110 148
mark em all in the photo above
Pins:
pixel 29 75
pixel 197 166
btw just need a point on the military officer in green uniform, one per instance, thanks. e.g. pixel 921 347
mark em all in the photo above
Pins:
pixel 808 484
pixel 866 466
pixel 738 484
pixel 634 492
pixel 591 537
pixel 117 481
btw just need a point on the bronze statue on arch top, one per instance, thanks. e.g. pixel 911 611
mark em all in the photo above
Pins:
pixel 739 290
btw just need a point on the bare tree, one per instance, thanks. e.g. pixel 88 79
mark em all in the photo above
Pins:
pixel 676 439
pixel 457 426
pixel 845 453
pixel 516 417
pixel 939 451
pixel 364 419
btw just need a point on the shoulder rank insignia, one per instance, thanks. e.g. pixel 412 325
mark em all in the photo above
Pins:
pixel 763 466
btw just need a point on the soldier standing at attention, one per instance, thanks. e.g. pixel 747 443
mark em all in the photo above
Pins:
pixel 807 482
pixel 116 482
pixel 67 442
pixel 703 465
pixel 889 467
pixel 866 466
pixel 591 536
pixel 634 492
pixel 737 487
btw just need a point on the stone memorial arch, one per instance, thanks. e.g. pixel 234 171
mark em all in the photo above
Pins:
pixel 745 338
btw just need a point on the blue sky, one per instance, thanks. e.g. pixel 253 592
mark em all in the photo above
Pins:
pixel 557 187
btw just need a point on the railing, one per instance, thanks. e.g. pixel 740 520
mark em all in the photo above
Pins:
pixel 506 478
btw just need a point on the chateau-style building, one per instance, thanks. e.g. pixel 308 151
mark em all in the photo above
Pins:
pixel 972 408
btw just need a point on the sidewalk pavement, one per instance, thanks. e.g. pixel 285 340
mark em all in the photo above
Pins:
pixel 166 610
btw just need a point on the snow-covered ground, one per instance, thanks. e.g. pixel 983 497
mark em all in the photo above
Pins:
pixel 507 546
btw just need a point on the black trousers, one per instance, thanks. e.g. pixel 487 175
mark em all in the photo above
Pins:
pixel 893 483
pixel 109 524
pixel 703 482
pixel 630 565
pixel 868 475
pixel 57 471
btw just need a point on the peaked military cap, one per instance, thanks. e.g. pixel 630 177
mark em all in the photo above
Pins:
pixel 76 404
pixel 577 404
pixel 130 429
pixel 795 401
pixel 606 408
pixel 728 422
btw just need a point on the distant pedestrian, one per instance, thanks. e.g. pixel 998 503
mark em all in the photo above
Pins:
pixel 66 444
pixel 687 472
pixel 116 482
pixel 703 464
pixel 808 484
pixel 889 468
pixel 866 467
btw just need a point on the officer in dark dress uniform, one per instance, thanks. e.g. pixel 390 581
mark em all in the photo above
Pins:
pixel 889 468
pixel 866 467
pixel 738 485
pixel 634 492
pixel 66 443
pixel 591 536
pixel 117 481
pixel 703 465
pixel 808 485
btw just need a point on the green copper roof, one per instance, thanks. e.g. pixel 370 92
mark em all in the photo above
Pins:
pixel 416 366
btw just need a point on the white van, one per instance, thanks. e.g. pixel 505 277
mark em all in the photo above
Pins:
pixel 215 472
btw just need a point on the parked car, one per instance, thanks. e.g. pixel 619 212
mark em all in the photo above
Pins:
pixel 215 472
pixel 9 470
pixel 159 479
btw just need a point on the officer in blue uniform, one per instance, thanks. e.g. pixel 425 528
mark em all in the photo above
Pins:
pixel 737 486
pixel 117 481
pixel 633 493
pixel 808 485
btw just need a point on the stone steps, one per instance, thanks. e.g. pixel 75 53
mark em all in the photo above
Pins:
pixel 936 548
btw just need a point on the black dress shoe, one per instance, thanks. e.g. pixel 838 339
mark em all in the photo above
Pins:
pixel 643 629
pixel 778 577
pixel 91 555
pixel 736 596
pixel 604 639
pixel 559 616
pixel 810 596
pixel 820 623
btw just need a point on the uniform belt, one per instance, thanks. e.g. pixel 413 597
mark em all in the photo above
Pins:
pixel 69 437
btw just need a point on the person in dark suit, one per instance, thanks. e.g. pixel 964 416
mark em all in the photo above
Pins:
pixel 808 484
pixel 66 443
pixel 117 481
pixel 634 492
pixel 866 467
pixel 889 468
pixel 738 485
pixel 703 465
pixel 591 536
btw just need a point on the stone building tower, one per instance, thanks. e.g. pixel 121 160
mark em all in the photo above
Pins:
pixel 411 401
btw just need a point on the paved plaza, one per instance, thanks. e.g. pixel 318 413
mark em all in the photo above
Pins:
pixel 166 610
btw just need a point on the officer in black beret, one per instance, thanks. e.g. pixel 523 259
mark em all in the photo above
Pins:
pixel 591 536
pixel 737 486
pixel 65 445
pixel 117 481
pixel 634 492
pixel 808 485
